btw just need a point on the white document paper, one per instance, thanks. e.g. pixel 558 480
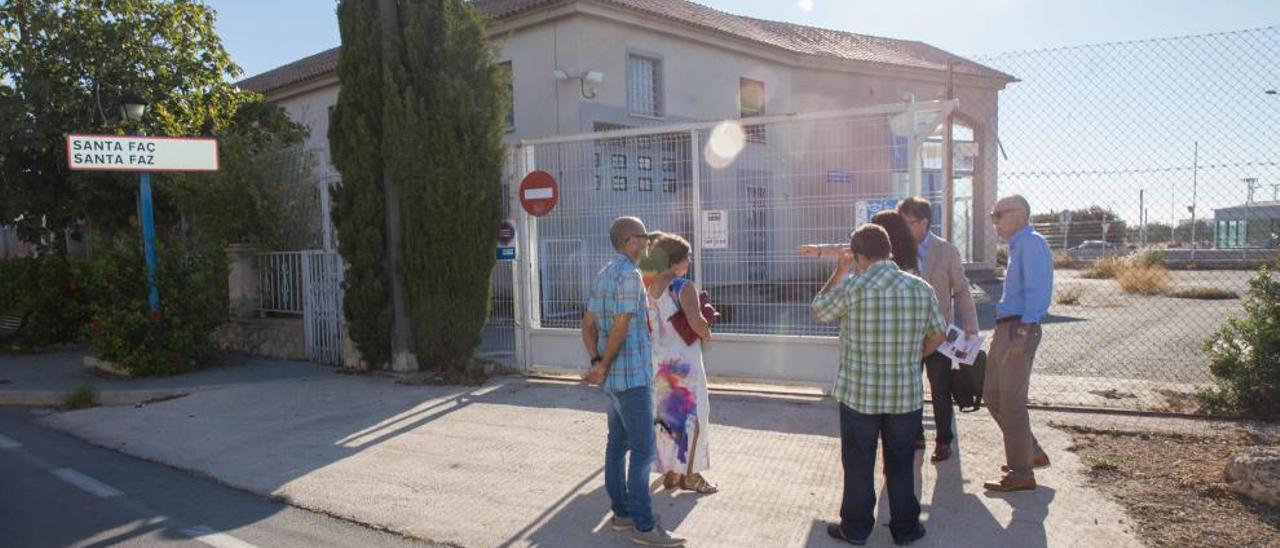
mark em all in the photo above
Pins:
pixel 959 347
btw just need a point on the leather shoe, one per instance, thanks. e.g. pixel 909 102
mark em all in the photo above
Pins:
pixel 1041 461
pixel 941 453
pixel 1011 483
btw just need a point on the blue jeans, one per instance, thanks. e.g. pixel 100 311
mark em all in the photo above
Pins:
pixel 859 435
pixel 630 429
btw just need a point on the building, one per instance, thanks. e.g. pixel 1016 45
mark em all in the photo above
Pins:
pixel 581 66
pixel 1252 225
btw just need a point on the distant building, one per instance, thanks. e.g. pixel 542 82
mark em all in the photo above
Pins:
pixel 1250 225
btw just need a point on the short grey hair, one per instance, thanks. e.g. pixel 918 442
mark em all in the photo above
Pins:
pixel 1021 202
pixel 622 229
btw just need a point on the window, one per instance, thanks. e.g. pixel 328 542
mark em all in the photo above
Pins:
pixel 620 183
pixel 668 185
pixel 751 103
pixel 597 182
pixel 644 163
pixel 619 161
pixel 750 98
pixel 644 184
pixel 504 69
pixel 644 85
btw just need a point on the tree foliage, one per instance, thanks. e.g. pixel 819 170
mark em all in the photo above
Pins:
pixel 65 65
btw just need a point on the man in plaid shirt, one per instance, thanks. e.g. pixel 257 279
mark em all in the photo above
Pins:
pixel 615 333
pixel 888 320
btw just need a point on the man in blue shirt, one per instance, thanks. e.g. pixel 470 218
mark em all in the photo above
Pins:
pixel 615 332
pixel 1028 289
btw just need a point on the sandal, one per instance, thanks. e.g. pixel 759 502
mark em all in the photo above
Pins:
pixel 701 485
pixel 671 480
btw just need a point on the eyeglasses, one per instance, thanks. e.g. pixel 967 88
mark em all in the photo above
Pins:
pixel 997 214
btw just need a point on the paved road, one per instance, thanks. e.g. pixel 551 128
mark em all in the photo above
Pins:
pixel 58 491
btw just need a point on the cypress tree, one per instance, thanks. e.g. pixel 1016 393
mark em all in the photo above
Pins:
pixel 444 121
pixel 359 211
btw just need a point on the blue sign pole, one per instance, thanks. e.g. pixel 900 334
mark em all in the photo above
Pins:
pixel 149 239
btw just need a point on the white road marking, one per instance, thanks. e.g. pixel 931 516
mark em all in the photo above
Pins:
pixel 214 538
pixel 7 442
pixel 93 486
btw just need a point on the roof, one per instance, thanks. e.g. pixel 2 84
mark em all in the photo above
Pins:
pixel 800 39
pixel 1253 212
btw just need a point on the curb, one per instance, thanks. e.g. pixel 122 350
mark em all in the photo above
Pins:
pixel 109 398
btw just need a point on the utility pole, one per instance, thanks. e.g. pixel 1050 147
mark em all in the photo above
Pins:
pixel 1195 174
pixel 1142 218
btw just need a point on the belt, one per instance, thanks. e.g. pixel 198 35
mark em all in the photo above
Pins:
pixel 1008 319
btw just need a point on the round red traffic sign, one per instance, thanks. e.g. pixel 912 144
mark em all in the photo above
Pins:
pixel 506 232
pixel 539 193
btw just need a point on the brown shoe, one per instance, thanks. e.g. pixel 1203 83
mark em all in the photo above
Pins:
pixel 941 453
pixel 1010 483
pixel 1041 461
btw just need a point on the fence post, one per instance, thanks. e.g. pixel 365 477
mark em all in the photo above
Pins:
pixel 695 171
pixel 527 298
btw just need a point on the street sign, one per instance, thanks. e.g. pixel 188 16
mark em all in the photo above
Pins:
pixel 137 153
pixel 506 237
pixel 715 229
pixel 539 193
pixel 864 210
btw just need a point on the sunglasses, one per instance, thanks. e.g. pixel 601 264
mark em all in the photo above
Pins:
pixel 997 214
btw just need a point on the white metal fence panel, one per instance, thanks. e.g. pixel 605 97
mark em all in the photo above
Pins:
pixel 745 198
pixel 322 274
pixel 280 283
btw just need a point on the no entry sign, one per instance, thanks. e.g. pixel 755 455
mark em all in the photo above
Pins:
pixel 539 193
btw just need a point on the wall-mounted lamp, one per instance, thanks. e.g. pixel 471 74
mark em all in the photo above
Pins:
pixel 587 81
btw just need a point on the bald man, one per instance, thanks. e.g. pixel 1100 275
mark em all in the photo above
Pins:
pixel 1028 288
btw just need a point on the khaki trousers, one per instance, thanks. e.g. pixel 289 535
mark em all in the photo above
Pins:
pixel 1005 393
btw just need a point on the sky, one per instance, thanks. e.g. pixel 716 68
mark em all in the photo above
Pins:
pixel 1123 103
pixel 261 35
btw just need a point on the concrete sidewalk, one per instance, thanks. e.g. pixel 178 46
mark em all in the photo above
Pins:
pixel 44 379
pixel 519 463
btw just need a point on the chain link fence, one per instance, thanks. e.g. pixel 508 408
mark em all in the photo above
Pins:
pixel 1153 170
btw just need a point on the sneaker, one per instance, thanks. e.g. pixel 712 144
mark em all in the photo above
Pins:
pixel 621 524
pixel 656 537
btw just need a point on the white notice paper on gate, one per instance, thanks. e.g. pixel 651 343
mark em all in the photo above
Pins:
pixel 715 229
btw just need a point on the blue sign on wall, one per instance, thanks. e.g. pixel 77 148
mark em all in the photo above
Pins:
pixel 507 253
pixel 839 177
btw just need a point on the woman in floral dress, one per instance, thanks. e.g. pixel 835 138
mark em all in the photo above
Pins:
pixel 680 381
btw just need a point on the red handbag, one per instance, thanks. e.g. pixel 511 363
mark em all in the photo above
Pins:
pixel 680 322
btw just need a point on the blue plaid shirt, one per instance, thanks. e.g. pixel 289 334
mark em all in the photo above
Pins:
pixel 619 289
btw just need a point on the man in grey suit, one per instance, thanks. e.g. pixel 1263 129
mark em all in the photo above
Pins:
pixel 942 267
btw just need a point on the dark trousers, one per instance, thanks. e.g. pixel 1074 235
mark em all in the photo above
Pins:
pixel 938 368
pixel 859 435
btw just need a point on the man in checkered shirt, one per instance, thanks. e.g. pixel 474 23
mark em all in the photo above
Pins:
pixel 615 333
pixel 888 320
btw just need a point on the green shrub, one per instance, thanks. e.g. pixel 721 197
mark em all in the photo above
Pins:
pixel 1150 257
pixel 174 339
pixel 1069 295
pixel 51 289
pixel 1244 355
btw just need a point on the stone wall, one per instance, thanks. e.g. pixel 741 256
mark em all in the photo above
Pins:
pixel 280 338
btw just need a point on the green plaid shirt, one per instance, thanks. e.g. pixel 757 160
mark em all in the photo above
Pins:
pixel 884 315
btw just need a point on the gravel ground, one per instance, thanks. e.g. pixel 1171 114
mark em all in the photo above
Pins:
pixel 1172 485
